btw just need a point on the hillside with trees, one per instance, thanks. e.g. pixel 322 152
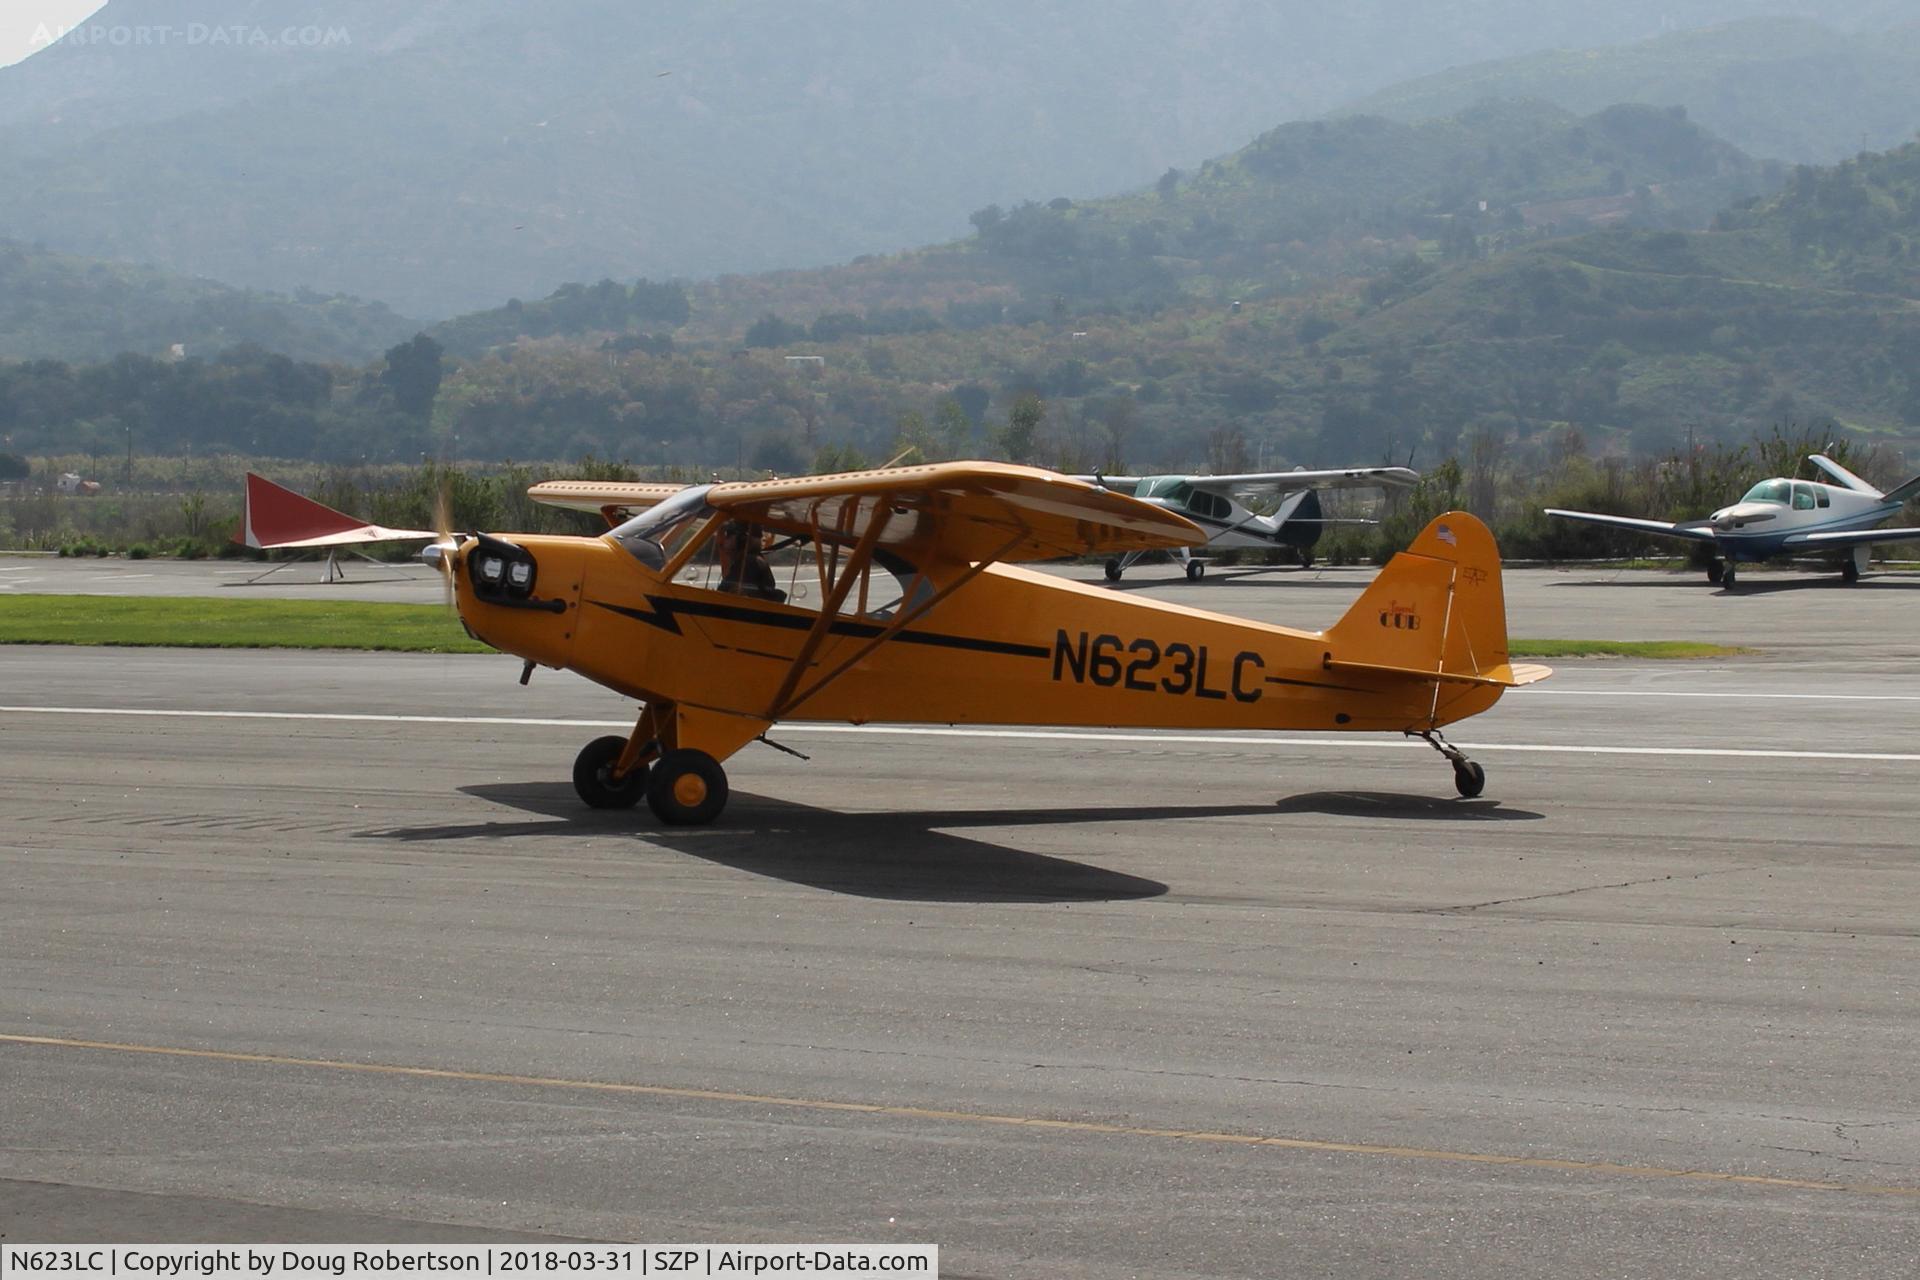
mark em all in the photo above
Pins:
pixel 1505 349
pixel 443 156
pixel 54 306
pixel 1779 88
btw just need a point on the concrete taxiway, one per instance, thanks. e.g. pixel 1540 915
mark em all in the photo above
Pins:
pixel 321 946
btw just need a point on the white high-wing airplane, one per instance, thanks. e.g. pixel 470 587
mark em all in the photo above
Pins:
pixel 1786 517
pixel 1217 504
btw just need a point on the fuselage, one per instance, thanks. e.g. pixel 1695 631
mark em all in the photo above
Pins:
pixel 1294 523
pixel 1009 646
pixel 1774 513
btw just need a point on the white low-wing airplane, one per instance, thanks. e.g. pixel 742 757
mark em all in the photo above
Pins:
pixel 1217 504
pixel 1782 516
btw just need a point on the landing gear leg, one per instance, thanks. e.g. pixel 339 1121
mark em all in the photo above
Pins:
pixel 611 773
pixel 1469 779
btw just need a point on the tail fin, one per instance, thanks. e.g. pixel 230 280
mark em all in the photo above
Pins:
pixel 1436 611
pixel 1841 475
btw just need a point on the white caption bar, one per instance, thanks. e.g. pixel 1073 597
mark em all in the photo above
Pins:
pixel 359 1261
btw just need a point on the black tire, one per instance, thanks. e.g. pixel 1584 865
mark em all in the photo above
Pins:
pixel 1728 576
pixel 593 781
pixel 1194 570
pixel 1113 570
pixel 1849 571
pixel 1306 559
pixel 1469 779
pixel 1715 571
pixel 686 788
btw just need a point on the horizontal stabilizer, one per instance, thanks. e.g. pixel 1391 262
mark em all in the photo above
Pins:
pixel 1905 492
pixel 1505 675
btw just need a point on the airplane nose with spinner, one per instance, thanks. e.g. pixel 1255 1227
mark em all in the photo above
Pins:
pixel 522 595
pixel 1742 514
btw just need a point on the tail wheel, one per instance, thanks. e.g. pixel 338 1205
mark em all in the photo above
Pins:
pixel 686 788
pixel 593 777
pixel 1113 570
pixel 1469 779
pixel 1194 570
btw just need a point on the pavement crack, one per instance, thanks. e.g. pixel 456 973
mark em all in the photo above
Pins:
pixel 1586 888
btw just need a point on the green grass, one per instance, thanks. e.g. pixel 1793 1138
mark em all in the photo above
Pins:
pixel 200 623
pixel 204 623
pixel 1623 649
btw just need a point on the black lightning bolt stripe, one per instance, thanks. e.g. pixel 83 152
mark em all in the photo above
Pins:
pixel 1319 684
pixel 666 612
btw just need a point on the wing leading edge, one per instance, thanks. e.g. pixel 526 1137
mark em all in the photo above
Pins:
pixel 1692 531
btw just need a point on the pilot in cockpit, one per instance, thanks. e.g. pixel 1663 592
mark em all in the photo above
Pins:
pixel 743 568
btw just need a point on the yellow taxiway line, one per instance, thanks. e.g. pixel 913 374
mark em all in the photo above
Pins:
pixel 1096 1128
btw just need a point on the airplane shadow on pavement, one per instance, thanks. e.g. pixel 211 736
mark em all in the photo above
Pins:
pixel 904 856
pixel 1379 804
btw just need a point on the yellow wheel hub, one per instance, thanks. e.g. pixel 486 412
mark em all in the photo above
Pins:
pixel 690 790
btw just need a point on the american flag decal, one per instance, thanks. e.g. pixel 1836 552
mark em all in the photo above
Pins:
pixel 1446 535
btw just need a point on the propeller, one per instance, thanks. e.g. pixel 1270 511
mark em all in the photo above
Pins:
pixel 440 553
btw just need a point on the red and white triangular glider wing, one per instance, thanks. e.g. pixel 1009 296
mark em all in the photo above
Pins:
pixel 279 517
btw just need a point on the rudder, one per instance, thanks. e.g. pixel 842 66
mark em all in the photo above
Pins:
pixel 1437 609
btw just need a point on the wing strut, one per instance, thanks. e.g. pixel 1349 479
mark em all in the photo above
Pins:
pixel 856 565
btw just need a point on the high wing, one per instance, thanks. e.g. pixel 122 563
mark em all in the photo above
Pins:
pixel 275 518
pixel 1851 538
pixel 1692 530
pixel 616 500
pixel 1266 484
pixel 971 512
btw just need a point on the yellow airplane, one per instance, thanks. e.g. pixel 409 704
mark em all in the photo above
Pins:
pixel 897 596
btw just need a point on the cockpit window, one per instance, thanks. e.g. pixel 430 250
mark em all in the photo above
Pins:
pixel 1802 497
pixel 1770 491
pixel 656 533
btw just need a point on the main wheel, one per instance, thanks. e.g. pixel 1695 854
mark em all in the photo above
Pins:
pixel 1715 571
pixel 1194 570
pixel 1306 558
pixel 686 788
pixel 593 776
pixel 1727 576
pixel 1849 571
pixel 1113 570
pixel 1469 779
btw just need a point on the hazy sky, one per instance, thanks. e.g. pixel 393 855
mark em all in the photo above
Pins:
pixel 22 20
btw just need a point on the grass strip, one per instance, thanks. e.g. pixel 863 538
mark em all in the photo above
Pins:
pixel 210 623
pixel 1660 649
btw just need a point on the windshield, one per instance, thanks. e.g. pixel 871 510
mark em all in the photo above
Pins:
pixel 1769 491
pixel 655 533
